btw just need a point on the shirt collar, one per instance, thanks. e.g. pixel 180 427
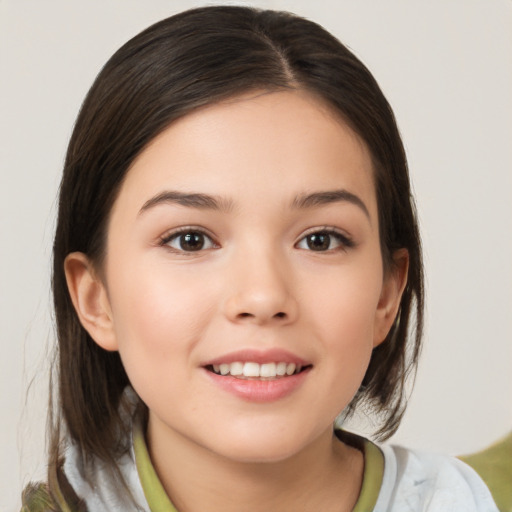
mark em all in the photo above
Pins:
pixel 158 500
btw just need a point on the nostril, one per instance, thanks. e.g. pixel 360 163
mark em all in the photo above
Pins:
pixel 280 315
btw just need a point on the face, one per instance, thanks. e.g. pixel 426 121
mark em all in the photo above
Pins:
pixel 243 283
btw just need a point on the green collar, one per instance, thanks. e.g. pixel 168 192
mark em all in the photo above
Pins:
pixel 373 470
pixel 158 500
pixel 156 497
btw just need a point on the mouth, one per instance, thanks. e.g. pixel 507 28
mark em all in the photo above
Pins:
pixel 259 376
pixel 250 370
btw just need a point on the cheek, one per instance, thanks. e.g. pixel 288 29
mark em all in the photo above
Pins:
pixel 347 303
pixel 344 316
pixel 158 319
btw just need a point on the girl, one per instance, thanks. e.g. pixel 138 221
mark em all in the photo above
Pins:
pixel 236 263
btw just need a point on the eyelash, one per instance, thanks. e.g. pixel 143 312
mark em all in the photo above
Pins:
pixel 169 237
pixel 345 242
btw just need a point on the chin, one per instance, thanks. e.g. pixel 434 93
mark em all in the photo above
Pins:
pixel 258 448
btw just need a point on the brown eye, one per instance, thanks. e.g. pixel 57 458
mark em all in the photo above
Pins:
pixel 318 241
pixel 189 241
pixel 323 241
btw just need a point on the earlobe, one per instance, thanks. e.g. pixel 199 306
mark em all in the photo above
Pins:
pixel 90 300
pixel 393 287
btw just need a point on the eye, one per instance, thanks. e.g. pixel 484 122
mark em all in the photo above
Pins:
pixel 325 240
pixel 189 240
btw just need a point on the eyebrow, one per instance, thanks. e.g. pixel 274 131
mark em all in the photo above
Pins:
pixel 192 200
pixel 208 202
pixel 328 197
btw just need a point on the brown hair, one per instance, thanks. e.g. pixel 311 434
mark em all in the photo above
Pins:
pixel 196 58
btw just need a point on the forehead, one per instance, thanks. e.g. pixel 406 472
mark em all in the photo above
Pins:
pixel 264 144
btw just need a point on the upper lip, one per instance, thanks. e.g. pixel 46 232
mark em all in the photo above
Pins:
pixel 274 355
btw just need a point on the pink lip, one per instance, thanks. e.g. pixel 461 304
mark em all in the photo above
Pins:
pixel 260 391
pixel 258 356
pixel 256 390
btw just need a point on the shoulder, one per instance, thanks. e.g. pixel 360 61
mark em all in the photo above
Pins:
pixel 494 465
pixel 57 497
pixel 37 498
pixel 415 480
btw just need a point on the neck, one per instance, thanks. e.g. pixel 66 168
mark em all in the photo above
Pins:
pixel 326 475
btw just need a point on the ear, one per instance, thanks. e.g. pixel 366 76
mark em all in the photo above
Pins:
pixel 90 299
pixel 393 286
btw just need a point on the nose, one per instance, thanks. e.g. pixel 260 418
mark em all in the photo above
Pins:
pixel 261 290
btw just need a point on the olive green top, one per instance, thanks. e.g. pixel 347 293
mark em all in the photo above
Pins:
pixel 36 497
pixel 494 465
pixel 158 500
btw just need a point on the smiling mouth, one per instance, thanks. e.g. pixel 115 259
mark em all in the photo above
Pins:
pixel 252 370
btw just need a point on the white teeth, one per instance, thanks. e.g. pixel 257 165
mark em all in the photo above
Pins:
pixel 251 369
pixel 237 369
pixel 281 369
pixel 268 370
pixel 290 369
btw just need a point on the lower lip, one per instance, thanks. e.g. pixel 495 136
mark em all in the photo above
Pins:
pixel 254 390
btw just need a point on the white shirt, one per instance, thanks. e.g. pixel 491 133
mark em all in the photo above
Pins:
pixel 412 482
pixel 421 482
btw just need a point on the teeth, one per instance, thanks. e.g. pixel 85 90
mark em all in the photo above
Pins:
pixel 281 369
pixel 251 369
pixel 268 370
pixel 236 369
pixel 290 369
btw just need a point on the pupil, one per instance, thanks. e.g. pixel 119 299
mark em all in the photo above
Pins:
pixel 319 242
pixel 192 242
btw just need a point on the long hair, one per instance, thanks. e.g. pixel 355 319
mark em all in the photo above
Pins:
pixel 189 60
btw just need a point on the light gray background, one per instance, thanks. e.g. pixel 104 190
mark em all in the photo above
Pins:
pixel 446 67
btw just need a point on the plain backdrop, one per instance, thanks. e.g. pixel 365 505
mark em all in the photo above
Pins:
pixel 445 66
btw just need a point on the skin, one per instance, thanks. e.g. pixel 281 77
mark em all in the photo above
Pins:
pixel 256 285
